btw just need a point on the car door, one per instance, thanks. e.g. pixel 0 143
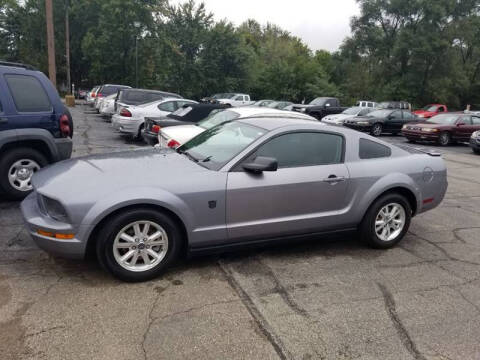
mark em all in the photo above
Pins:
pixel 28 108
pixel 464 128
pixel 394 121
pixel 306 194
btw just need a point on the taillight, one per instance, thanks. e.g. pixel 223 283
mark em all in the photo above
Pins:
pixel 173 144
pixel 64 125
pixel 93 95
pixel 124 112
pixel 156 129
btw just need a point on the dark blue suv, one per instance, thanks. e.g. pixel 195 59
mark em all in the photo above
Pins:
pixel 35 127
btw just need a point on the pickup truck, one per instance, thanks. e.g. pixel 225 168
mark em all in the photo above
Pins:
pixel 431 110
pixel 236 100
pixel 320 107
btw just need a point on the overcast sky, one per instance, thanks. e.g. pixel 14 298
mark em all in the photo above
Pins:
pixel 322 24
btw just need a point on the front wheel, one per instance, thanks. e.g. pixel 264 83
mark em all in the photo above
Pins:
pixel 444 139
pixel 386 221
pixel 377 129
pixel 476 151
pixel 138 244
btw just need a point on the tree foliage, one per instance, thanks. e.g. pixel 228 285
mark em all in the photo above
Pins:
pixel 417 50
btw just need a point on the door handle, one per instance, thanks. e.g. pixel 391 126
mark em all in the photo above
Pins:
pixel 3 120
pixel 333 179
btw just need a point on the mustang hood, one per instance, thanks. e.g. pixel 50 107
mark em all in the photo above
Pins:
pixel 106 173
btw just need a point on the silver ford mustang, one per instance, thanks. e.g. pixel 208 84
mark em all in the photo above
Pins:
pixel 242 182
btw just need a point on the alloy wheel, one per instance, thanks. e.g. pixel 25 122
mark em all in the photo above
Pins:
pixel 377 130
pixel 20 174
pixel 390 221
pixel 444 139
pixel 140 246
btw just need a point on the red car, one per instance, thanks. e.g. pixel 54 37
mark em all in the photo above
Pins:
pixel 431 110
pixel 443 129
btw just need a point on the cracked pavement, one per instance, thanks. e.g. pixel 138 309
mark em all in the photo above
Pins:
pixel 322 299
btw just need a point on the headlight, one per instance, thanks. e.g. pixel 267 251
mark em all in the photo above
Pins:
pixel 362 123
pixel 303 110
pixel 420 115
pixel 52 208
pixel 404 127
pixel 429 130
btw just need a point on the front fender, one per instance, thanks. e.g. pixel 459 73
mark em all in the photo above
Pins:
pixel 135 196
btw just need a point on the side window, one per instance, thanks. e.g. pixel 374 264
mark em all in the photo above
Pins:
pixel 167 106
pixel 396 115
pixel 1 107
pixel 467 120
pixel 408 115
pixel 441 109
pixel 28 93
pixel 475 120
pixel 304 149
pixel 372 150
pixel 364 112
pixel 239 98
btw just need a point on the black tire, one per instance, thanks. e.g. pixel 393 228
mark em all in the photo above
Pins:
pixel 7 160
pixel 108 233
pixel 377 129
pixel 444 139
pixel 139 136
pixel 367 227
pixel 476 151
pixel 412 141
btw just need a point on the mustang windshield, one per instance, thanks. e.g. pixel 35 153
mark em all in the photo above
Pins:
pixel 215 147
pixel 431 108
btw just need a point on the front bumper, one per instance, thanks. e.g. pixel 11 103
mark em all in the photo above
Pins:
pixel 420 135
pixel 35 220
pixel 354 126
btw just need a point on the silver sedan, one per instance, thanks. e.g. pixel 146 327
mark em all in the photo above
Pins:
pixel 242 182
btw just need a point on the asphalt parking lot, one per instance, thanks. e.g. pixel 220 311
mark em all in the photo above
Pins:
pixel 324 299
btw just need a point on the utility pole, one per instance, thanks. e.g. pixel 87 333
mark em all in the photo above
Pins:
pixel 52 72
pixel 136 61
pixel 67 47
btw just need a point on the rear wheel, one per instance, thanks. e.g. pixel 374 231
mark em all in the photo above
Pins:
pixel 377 129
pixel 138 244
pixel 17 167
pixel 386 221
pixel 476 151
pixel 444 139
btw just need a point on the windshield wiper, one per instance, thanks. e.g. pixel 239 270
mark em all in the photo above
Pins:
pixel 190 156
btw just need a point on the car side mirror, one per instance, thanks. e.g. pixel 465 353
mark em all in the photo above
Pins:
pixel 261 164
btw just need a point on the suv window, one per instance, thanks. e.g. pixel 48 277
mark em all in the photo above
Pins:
pixel 33 100
pixel 372 150
pixel 167 106
pixel 304 149
pixel 239 98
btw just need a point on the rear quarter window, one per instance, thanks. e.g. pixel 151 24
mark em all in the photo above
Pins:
pixel 372 150
pixel 28 93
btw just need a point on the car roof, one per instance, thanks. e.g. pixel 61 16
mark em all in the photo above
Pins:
pixel 255 110
pixel 270 122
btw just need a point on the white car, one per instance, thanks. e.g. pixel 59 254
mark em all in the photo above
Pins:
pixel 131 120
pixel 339 119
pixel 107 105
pixel 174 136
pixel 91 95
pixel 236 100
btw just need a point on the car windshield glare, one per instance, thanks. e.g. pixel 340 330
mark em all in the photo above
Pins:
pixel 318 101
pixel 351 111
pixel 215 147
pixel 443 119
pixel 218 117
pixel 380 113
pixel 431 108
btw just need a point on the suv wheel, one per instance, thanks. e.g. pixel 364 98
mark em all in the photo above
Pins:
pixel 138 244
pixel 386 221
pixel 17 167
